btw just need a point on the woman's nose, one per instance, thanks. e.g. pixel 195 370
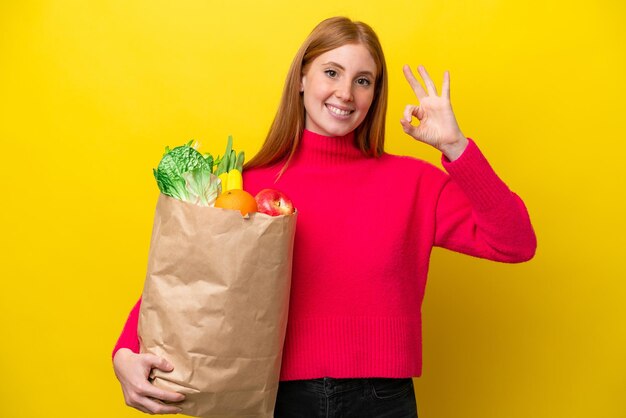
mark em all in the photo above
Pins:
pixel 344 91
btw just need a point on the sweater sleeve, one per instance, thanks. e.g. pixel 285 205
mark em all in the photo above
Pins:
pixel 478 215
pixel 129 337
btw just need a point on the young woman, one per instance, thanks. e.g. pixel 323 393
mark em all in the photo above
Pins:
pixel 367 223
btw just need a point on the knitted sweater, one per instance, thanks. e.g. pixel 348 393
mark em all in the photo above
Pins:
pixel 366 228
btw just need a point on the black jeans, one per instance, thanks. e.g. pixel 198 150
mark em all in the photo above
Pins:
pixel 346 398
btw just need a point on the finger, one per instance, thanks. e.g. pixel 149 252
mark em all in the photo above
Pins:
pixel 430 86
pixel 141 408
pixel 156 407
pixel 413 110
pixel 413 82
pixel 445 87
pixel 409 112
pixel 156 362
pixel 408 128
pixel 149 390
pixel 150 405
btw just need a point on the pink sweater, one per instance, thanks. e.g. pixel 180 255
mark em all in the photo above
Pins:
pixel 366 227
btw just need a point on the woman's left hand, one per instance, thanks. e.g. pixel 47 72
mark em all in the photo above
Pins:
pixel 437 123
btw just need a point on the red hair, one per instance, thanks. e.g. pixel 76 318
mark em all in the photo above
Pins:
pixel 286 131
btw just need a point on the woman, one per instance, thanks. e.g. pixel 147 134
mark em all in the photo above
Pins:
pixel 367 223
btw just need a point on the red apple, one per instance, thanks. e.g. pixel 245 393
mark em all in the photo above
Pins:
pixel 273 202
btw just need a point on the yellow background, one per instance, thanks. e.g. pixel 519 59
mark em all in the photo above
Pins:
pixel 92 91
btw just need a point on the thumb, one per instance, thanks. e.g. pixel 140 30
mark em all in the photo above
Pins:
pixel 156 362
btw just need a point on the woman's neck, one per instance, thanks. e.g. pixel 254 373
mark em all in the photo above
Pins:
pixel 317 149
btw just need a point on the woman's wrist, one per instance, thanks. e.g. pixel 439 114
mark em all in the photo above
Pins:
pixel 453 150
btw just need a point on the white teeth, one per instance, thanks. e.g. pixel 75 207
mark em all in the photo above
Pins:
pixel 338 111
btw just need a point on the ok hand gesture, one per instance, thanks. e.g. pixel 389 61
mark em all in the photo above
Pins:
pixel 437 123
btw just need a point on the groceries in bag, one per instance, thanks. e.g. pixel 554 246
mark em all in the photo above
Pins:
pixel 216 294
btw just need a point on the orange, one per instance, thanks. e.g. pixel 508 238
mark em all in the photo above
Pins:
pixel 237 199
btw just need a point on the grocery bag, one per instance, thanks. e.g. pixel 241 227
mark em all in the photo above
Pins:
pixel 215 304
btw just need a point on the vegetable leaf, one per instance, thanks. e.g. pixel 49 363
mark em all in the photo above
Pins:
pixel 203 186
pixel 175 163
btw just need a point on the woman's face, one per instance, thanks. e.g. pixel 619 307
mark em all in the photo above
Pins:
pixel 338 89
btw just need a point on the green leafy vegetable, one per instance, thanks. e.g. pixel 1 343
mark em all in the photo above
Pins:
pixel 185 174
pixel 202 186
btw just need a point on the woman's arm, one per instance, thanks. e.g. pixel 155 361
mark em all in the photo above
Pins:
pixel 476 214
pixel 133 370
pixel 129 338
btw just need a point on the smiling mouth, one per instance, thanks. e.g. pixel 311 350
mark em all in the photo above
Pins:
pixel 339 112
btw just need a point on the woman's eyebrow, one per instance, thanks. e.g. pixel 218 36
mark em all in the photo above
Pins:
pixel 334 64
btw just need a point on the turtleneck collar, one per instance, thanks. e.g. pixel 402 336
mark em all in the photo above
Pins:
pixel 315 149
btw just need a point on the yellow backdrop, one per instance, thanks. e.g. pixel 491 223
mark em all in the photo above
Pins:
pixel 92 91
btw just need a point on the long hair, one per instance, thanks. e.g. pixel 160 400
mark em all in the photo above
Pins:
pixel 286 131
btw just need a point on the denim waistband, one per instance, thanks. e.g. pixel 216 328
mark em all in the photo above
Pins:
pixel 330 386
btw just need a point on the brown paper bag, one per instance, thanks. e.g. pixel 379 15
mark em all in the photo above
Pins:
pixel 215 304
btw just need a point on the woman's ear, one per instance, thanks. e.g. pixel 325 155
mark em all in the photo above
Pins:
pixel 302 84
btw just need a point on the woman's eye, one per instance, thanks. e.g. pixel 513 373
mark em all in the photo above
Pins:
pixel 331 73
pixel 363 82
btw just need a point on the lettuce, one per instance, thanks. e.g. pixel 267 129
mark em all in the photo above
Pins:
pixel 202 186
pixel 187 175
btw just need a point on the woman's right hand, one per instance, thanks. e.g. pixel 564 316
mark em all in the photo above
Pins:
pixel 133 370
